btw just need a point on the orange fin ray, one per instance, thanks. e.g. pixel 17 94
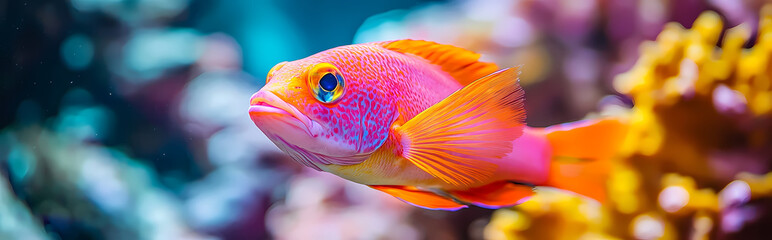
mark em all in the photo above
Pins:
pixel 459 139
pixel 420 198
pixel 495 195
pixel 582 153
pixel 461 64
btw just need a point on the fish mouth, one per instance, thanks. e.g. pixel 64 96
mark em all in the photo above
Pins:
pixel 284 124
pixel 265 104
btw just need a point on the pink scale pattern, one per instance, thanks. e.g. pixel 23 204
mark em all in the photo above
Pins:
pixel 382 86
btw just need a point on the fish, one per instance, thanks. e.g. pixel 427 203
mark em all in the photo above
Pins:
pixel 430 124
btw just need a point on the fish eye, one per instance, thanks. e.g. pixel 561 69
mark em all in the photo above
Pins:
pixel 326 82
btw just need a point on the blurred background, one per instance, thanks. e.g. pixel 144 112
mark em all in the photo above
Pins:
pixel 127 119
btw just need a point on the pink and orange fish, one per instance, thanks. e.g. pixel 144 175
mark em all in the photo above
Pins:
pixel 428 124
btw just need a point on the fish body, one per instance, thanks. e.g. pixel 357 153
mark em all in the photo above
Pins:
pixel 427 123
pixel 528 162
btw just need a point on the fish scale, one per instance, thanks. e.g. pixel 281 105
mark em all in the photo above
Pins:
pixel 429 124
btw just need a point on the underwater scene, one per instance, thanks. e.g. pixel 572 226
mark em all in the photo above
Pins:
pixel 386 119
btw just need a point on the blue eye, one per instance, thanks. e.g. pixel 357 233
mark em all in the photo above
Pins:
pixel 328 82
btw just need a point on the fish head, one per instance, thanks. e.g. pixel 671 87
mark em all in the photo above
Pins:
pixel 328 108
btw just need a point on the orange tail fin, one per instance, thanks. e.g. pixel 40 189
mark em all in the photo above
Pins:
pixel 581 155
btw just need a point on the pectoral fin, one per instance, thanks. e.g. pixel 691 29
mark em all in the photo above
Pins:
pixel 460 138
pixel 420 198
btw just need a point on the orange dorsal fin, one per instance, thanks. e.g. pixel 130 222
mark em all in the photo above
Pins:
pixel 582 153
pixel 495 195
pixel 419 198
pixel 459 139
pixel 461 64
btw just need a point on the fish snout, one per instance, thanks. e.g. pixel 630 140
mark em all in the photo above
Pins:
pixel 267 104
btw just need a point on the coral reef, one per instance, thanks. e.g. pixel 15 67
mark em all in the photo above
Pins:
pixel 694 162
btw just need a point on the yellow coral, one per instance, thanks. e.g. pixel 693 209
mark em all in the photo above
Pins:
pixel 698 110
pixel 551 214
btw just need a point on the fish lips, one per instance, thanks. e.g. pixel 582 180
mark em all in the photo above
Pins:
pixel 285 125
pixel 266 106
